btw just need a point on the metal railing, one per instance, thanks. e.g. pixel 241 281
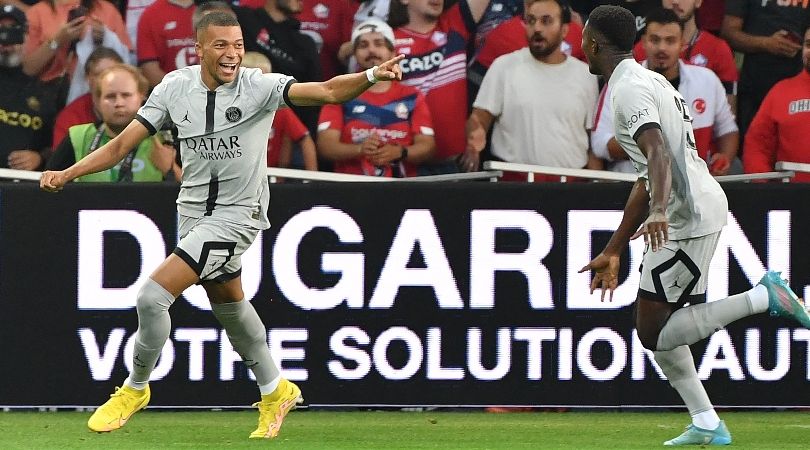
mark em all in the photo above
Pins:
pixel 794 166
pixel 19 175
pixel 782 173
pixel 493 170
pixel 308 175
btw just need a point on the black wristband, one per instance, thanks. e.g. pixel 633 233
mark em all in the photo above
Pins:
pixel 404 155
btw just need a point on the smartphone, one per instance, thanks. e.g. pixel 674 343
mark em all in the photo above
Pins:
pixel 75 13
pixel 794 37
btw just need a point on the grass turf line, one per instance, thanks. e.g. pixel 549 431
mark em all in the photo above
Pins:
pixel 396 430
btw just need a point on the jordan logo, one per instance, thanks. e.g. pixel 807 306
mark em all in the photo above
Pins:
pixel 185 118
pixel 675 284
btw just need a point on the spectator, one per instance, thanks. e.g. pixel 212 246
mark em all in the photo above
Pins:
pixel 780 129
pixel 27 107
pixel 768 34
pixel 121 90
pixel 538 101
pixel 510 36
pixel 715 138
pixel 83 109
pixel 274 32
pixel 387 130
pixel 166 38
pixel 363 9
pixel 435 48
pixel 329 24
pixel 287 127
pixel 50 50
pixel 701 48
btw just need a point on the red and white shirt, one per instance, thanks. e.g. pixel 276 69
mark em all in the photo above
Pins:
pixel 436 64
pixel 166 35
pixel 397 115
pixel 707 103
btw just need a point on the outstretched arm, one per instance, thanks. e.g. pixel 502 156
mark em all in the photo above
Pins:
pixel 102 159
pixel 343 88
pixel 606 264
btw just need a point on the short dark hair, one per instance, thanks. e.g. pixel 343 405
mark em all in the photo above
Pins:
pixel 101 53
pixel 616 24
pixel 663 16
pixel 216 19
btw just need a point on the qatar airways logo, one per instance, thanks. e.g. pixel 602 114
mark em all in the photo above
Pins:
pixel 215 148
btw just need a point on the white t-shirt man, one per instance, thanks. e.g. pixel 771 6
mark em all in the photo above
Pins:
pixel 543 111
pixel 643 99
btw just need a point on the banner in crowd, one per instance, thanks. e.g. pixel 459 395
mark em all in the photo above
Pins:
pixel 451 294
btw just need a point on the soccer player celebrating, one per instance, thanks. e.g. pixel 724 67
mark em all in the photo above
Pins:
pixel 223 114
pixel 680 210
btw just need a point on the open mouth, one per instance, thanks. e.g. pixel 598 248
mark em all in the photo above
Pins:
pixel 228 68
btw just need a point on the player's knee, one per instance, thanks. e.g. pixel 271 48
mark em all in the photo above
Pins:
pixel 152 299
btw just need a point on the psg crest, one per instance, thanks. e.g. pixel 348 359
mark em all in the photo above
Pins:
pixel 233 114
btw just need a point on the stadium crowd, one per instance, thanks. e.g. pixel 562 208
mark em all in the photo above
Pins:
pixel 482 80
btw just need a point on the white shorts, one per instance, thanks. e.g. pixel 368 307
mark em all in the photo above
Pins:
pixel 677 272
pixel 213 247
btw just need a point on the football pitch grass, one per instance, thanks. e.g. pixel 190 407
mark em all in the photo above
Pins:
pixel 397 430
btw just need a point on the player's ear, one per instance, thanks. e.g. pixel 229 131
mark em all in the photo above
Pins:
pixel 198 50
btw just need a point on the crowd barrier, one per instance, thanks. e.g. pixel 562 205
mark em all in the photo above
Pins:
pixel 418 294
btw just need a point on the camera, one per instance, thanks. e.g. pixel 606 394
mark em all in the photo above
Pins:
pixel 12 35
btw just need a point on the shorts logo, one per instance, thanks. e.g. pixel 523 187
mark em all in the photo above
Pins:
pixel 233 114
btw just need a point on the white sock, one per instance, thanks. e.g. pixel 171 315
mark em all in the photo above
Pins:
pixel 268 388
pixel 136 385
pixel 708 420
pixel 758 297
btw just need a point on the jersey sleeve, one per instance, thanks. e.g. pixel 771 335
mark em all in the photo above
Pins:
pixel 726 67
pixel 490 95
pixel 421 120
pixel 271 88
pixel 156 110
pixel 331 118
pixel 635 108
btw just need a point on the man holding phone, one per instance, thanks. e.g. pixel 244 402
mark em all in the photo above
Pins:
pixel 54 27
pixel 768 33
